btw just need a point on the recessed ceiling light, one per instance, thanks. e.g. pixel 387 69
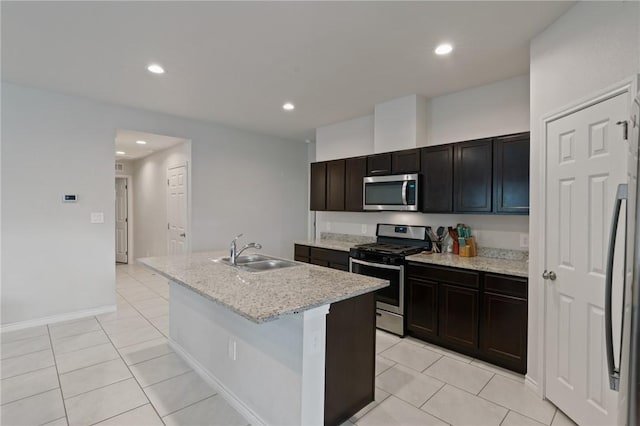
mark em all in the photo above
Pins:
pixel 288 106
pixel 156 69
pixel 141 142
pixel 120 152
pixel 443 49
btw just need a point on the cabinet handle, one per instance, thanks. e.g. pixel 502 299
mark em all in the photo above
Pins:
pixel 373 172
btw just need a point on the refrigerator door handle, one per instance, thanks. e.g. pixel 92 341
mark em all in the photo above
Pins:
pixel 614 373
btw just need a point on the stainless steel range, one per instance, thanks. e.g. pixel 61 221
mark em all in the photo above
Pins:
pixel 385 259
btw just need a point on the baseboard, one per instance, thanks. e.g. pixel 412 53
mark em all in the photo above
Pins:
pixel 533 385
pixel 57 318
pixel 213 381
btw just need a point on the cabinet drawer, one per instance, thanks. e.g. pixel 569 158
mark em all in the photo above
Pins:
pixel 301 251
pixel 508 285
pixel 331 256
pixel 445 275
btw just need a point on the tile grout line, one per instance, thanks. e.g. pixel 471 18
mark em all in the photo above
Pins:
pixel 89 366
pixel 21 338
pixel 27 372
pixel 485 385
pixel 55 363
pixel 554 416
pixel 150 359
pixel 98 388
pixel 134 377
pixel 169 378
pixel 86 347
pixel 192 404
pixel 119 414
pixel 144 316
pixel 30 396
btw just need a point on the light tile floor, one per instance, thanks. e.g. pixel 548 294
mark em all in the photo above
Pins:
pixel 118 369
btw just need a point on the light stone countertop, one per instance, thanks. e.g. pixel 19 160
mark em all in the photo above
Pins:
pixel 518 268
pixel 261 296
pixel 329 244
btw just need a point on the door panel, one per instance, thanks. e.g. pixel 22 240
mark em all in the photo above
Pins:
pixel 177 210
pixel 122 219
pixel 586 160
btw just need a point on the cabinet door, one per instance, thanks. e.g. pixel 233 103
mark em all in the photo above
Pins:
pixel 458 320
pixel 355 171
pixel 473 176
pixel 379 164
pixel 301 253
pixel 407 161
pixel 503 333
pixel 335 185
pixel 422 307
pixel 437 179
pixel 318 186
pixel 511 174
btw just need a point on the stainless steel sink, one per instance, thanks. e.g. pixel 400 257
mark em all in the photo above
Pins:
pixel 257 263
pixel 267 265
pixel 241 260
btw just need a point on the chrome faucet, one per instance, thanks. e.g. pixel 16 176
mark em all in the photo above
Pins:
pixel 234 253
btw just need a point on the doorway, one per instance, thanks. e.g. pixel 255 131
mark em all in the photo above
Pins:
pixel 122 220
pixel 177 209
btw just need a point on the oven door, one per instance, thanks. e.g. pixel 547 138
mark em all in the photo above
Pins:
pixel 389 298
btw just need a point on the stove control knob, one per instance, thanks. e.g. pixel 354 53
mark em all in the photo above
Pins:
pixel 385 260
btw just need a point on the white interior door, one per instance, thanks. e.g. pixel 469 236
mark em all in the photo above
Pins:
pixel 177 209
pixel 122 221
pixel 586 160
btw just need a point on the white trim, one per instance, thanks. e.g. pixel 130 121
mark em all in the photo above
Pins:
pixel 629 86
pixel 213 381
pixel 58 318
pixel 531 384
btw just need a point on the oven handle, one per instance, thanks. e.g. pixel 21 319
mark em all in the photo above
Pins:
pixel 375 265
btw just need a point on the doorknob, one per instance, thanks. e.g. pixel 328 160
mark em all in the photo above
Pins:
pixel 545 275
pixel 184 235
pixel 552 276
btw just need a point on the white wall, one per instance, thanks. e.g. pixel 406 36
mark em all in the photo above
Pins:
pixel 55 262
pixel 150 198
pixel 127 167
pixel 349 138
pixel 591 47
pixel 398 124
pixel 464 115
pixel 494 109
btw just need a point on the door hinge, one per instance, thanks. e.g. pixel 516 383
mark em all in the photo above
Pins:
pixel 126 220
pixel 625 128
pixel 167 182
pixel 168 225
pixel 126 187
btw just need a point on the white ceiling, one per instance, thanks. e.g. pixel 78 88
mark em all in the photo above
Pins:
pixel 126 141
pixel 238 62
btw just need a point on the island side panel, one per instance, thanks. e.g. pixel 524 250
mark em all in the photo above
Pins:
pixel 276 373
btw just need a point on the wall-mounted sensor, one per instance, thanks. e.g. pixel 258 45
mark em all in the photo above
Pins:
pixel 69 198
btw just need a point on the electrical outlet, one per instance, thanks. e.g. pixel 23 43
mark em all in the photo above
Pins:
pixel 524 240
pixel 232 350
pixel 364 229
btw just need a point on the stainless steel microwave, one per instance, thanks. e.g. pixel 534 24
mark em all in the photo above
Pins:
pixel 398 192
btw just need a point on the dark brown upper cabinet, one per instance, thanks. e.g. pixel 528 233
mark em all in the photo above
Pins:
pixel 318 196
pixel 511 174
pixel 407 161
pixel 335 185
pixel 379 164
pixel 356 170
pixel 437 179
pixel 473 176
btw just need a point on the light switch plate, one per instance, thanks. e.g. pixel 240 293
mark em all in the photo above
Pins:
pixel 97 217
pixel 524 240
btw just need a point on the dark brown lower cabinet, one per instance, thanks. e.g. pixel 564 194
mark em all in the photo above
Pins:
pixel 349 358
pixel 422 307
pixel 480 314
pixel 458 316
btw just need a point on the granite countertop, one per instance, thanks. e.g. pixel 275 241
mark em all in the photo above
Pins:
pixel 261 296
pixel 518 268
pixel 329 244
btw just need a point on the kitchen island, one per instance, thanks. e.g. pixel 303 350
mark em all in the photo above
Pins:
pixel 265 340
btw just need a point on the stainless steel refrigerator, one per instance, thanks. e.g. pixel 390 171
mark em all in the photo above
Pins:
pixel 624 372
